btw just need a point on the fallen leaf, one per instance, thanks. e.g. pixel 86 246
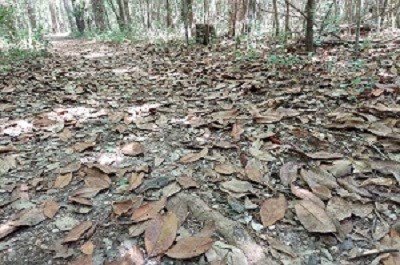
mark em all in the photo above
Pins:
pixel 288 173
pixel 75 233
pixel 193 157
pixel 62 181
pixel 82 260
pixel 133 149
pixel 237 131
pixel 339 208
pixel 122 207
pixel 7 228
pixel 87 248
pixel 135 180
pixel 314 218
pixel 96 179
pixel 148 210
pixel 254 171
pixel 138 229
pixel 30 217
pixel 131 256
pixel 50 208
pixel 80 147
pixel 160 234
pixel 7 148
pixel 324 156
pixel 187 182
pixel 225 168
pixel 273 210
pixel 237 186
pixel 190 247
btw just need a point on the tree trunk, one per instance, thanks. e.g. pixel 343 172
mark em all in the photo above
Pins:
pixel 187 17
pixel 310 11
pixel 31 13
pixel 99 12
pixel 121 15
pixel 276 17
pixel 53 16
pixel 233 18
pixel 169 14
pixel 287 22
pixel 358 14
pixel 68 10
pixel 79 12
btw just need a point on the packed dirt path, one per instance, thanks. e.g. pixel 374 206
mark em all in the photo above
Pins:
pixel 166 154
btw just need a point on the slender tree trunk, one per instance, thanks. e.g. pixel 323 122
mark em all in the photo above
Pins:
pixel 358 14
pixel 276 17
pixel 79 14
pixel 287 23
pixel 99 12
pixel 121 15
pixel 68 10
pixel 31 13
pixel 53 14
pixel 169 13
pixel 310 11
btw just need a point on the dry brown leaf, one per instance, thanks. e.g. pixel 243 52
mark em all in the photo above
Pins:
pixel 160 234
pixel 314 218
pixel 273 210
pixel 122 207
pixel 65 135
pixel 187 182
pixel 87 248
pixel 306 195
pixel 138 229
pixel 96 179
pixel 133 149
pixel 75 233
pixel 380 181
pixel 148 210
pixel 324 156
pixel 135 180
pixel 237 131
pixel 339 208
pixel 254 171
pixel 80 147
pixel 82 260
pixel 193 157
pixel 190 247
pixel 133 256
pixel 86 192
pixel 50 208
pixel 225 168
pixel 62 181
pixel 288 173
pixel 30 217
pixel 7 148
pixel 6 229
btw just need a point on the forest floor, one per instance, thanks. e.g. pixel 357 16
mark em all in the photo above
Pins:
pixel 150 154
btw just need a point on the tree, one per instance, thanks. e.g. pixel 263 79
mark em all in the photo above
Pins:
pixel 310 11
pixel 99 12
pixel 79 14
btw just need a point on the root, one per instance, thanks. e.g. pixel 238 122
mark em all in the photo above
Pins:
pixel 233 232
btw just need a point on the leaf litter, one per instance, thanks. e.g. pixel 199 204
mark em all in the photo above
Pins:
pixel 296 164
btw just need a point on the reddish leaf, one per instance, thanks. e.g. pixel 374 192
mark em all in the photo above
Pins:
pixel 148 210
pixel 314 218
pixel 160 234
pixel 50 208
pixel 190 247
pixel 77 231
pixel 132 149
pixel 273 210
